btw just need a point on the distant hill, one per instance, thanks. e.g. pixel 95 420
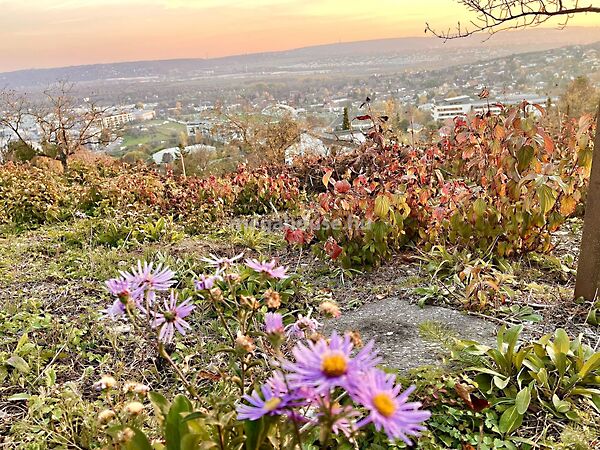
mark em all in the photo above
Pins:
pixel 407 53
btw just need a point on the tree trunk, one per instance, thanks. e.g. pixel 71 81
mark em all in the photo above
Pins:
pixel 63 158
pixel 588 268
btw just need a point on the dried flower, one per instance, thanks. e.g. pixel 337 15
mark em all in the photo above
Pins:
pixel 135 387
pixel 303 327
pixel 125 435
pixel 105 382
pixel 133 408
pixel 244 343
pixel 273 298
pixel 250 302
pixel 106 416
pixel 330 308
pixel 356 339
pixel 216 294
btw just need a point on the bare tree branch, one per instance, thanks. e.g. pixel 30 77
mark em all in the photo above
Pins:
pixel 493 16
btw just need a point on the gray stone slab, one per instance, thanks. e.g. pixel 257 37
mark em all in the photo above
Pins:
pixel 394 324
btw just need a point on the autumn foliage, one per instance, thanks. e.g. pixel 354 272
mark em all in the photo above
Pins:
pixel 491 184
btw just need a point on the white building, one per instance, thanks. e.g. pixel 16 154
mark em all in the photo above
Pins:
pixel 117 120
pixel 306 144
pixel 121 118
pixel 169 155
pixel 452 107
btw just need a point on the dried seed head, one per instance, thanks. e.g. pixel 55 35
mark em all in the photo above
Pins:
pixel 330 308
pixel 106 416
pixel 133 408
pixel 250 302
pixel 273 299
pixel 244 343
pixel 106 382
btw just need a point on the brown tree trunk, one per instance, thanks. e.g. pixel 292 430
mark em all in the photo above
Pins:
pixel 588 268
pixel 63 158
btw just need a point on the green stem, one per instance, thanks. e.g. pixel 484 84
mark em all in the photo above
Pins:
pixel 180 375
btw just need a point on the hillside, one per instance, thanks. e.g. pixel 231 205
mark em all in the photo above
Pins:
pixel 411 52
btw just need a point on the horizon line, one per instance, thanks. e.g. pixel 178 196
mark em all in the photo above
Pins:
pixel 234 55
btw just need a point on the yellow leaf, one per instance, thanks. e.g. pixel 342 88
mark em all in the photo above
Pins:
pixel 568 205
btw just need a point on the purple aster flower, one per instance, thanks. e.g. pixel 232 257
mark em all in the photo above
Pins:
pixel 274 401
pixel 344 419
pixel 118 287
pixel 388 407
pixel 171 318
pixel 115 310
pixel 221 263
pixel 147 278
pixel 274 323
pixel 303 326
pixel 207 282
pixel 324 365
pixel 268 268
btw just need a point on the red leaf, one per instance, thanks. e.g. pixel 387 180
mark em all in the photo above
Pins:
pixel 342 186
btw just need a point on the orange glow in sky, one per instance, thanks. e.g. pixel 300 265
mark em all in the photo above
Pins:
pixel 51 33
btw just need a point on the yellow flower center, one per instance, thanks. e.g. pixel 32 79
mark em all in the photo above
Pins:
pixel 272 404
pixel 384 404
pixel 334 365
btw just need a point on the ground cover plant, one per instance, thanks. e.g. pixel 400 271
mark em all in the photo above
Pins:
pixel 141 309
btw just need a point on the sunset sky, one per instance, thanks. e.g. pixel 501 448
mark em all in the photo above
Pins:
pixel 51 33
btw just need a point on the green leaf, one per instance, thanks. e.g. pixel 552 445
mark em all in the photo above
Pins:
pixel 510 420
pixel 590 365
pixel 524 157
pixel 479 207
pixel 501 382
pixel 138 442
pixel 19 396
pixel 522 400
pixel 546 197
pixel 174 428
pixel 561 341
pixel 50 377
pixel 255 433
pixel 560 405
pixel 18 363
pixel 161 406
